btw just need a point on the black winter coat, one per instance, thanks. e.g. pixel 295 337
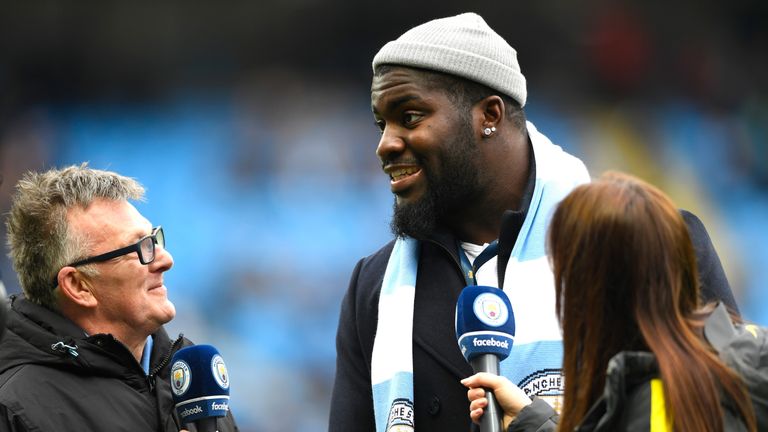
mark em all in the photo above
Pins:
pixel 626 402
pixel 624 407
pixel 54 378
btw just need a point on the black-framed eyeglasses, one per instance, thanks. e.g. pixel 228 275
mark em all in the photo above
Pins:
pixel 145 248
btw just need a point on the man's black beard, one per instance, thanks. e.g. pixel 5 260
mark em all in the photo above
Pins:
pixel 457 186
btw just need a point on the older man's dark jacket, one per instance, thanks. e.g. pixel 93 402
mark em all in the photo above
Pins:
pixel 54 378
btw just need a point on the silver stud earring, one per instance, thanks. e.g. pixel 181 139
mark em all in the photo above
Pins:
pixel 489 130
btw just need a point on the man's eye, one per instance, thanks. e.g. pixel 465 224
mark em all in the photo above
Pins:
pixel 380 125
pixel 410 118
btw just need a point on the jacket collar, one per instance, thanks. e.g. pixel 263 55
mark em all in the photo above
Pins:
pixel 46 318
pixel 37 335
pixel 627 371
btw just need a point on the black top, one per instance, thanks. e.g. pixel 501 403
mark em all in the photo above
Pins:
pixel 54 377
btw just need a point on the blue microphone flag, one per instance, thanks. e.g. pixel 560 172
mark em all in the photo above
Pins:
pixel 485 323
pixel 199 383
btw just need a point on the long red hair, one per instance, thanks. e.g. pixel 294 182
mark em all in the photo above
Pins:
pixel 626 279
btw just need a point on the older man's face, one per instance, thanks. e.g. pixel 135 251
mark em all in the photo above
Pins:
pixel 132 299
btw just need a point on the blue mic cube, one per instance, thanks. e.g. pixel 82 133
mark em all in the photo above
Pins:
pixel 485 323
pixel 199 383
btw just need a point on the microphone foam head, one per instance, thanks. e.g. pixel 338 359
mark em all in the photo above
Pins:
pixel 199 383
pixel 485 323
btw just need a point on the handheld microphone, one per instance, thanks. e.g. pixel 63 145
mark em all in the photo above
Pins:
pixel 485 330
pixel 200 386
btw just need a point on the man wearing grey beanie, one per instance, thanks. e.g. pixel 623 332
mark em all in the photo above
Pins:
pixel 474 186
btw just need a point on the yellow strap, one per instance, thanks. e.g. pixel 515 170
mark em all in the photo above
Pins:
pixel 659 421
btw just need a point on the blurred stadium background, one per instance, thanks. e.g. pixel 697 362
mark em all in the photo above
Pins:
pixel 249 123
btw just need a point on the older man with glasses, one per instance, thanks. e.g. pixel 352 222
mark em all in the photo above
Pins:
pixel 85 347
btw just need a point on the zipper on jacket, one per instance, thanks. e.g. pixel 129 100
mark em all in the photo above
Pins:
pixel 64 348
pixel 151 377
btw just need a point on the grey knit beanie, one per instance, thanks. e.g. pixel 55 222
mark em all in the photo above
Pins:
pixel 462 45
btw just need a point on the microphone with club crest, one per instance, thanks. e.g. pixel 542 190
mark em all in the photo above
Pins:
pixel 485 330
pixel 200 386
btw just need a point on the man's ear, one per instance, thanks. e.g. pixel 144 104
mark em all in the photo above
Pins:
pixel 491 111
pixel 75 287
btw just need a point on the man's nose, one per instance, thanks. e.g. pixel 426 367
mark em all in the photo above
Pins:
pixel 163 259
pixel 390 143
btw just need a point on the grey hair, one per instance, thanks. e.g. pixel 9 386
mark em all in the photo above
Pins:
pixel 39 237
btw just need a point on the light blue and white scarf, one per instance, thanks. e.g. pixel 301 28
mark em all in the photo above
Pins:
pixel 536 359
